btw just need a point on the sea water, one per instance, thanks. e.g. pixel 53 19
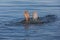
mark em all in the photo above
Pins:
pixel 12 12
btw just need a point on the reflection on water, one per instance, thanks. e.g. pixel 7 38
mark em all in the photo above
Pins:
pixel 26 27
pixel 29 32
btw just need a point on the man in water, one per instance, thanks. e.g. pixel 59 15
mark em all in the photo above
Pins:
pixel 35 16
pixel 27 16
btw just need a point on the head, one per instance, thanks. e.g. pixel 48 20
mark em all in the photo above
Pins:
pixel 35 15
pixel 26 15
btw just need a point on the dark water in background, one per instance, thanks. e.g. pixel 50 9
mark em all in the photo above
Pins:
pixel 10 14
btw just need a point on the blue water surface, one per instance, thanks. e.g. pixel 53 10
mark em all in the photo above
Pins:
pixel 12 12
